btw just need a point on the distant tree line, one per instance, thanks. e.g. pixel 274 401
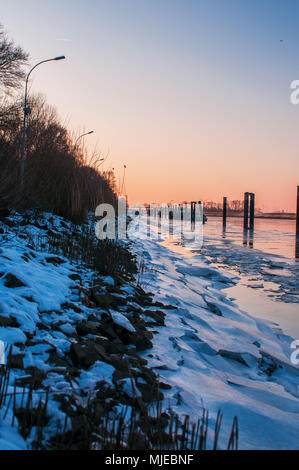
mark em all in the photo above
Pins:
pixel 233 206
pixel 60 176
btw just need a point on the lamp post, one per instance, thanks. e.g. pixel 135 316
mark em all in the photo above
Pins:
pixel 125 166
pixel 27 111
pixel 86 133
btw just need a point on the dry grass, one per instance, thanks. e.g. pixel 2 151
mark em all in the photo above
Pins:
pixel 94 427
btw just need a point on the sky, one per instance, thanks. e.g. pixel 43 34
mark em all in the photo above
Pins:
pixel 193 96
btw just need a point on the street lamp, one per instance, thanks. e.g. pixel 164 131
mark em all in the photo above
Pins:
pixel 27 111
pixel 86 133
pixel 125 166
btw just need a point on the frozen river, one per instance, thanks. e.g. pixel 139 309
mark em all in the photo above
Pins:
pixel 265 263
pixel 274 236
pixel 224 354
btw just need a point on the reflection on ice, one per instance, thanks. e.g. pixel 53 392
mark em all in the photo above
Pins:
pixel 268 285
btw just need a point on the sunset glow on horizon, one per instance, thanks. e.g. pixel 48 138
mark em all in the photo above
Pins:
pixel 192 96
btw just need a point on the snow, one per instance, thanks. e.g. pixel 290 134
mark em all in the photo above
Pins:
pixel 99 371
pixel 109 280
pixel 216 355
pixel 122 321
pixel 47 286
pixel 2 352
pixel 211 352
pixel 12 335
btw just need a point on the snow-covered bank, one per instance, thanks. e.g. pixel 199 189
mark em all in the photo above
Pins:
pixel 72 337
pixel 213 353
pixel 81 335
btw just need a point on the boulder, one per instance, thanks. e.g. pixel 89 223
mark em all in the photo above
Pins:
pixel 87 328
pixel 235 356
pixel 75 277
pixel 86 353
pixel 15 361
pixel 9 321
pixel 12 281
pixel 55 260
pixel 83 355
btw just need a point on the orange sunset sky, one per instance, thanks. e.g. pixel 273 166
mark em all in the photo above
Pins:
pixel 192 96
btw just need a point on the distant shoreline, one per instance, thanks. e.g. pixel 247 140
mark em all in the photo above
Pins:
pixel 257 216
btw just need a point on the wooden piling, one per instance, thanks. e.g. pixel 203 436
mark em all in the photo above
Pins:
pixel 251 211
pixel 297 216
pixel 224 212
pixel 246 210
pixel 193 204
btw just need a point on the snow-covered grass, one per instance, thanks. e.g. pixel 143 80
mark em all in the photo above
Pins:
pixel 42 299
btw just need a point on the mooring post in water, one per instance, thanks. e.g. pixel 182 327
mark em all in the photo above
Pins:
pixel 246 210
pixel 251 211
pixel 200 210
pixel 297 216
pixel 193 203
pixel 297 227
pixel 224 213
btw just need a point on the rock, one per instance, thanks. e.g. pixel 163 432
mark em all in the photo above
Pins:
pixel 11 223
pixel 106 300
pixel 75 277
pixel 51 233
pixel 110 347
pixel 267 364
pixel 100 352
pixel 29 298
pixel 142 341
pixel 55 260
pixel 164 386
pixel 150 394
pixel 12 281
pixel 214 309
pixel 15 361
pixel 86 353
pixel 142 298
pixel 108 328
pixel 235 356
pixel 69 305
pixel 54 358
pixel 120 374
pixel 157 315
pixel 42 326
pixel 86 327
pixel 9 321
